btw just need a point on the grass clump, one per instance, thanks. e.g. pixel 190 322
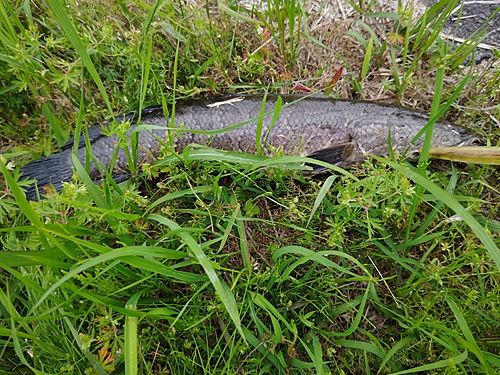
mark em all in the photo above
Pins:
pixel 212 264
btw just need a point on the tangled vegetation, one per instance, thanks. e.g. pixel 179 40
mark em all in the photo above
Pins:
pixel 222 266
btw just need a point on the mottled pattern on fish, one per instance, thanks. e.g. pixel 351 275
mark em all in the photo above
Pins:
pixel 337 131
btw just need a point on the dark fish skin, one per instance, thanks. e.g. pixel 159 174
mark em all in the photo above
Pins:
pixel 338 131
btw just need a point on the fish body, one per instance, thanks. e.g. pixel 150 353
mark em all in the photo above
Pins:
pixel 338 131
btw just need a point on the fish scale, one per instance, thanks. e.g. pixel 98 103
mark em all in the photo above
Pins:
pixel 337 131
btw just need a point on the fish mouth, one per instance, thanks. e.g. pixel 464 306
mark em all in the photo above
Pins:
pixel 473 141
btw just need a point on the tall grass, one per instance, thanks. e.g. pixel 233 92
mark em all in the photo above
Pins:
pixel 233 263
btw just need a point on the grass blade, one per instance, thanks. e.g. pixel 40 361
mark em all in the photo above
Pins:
pixel 318 356
pixel 276 115
pixel 399 345
pixel 131 341
pixel 436 365
pixel 260 123
pixel 61 136
pixel 321 194
pixel 366 61
pixel 369 347
pixel 90 357
pixel 469 337
pixel 223 291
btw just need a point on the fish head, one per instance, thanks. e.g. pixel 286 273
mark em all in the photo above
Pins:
pixel 448 135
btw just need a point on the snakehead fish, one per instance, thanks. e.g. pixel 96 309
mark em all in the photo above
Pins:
pixel 337 131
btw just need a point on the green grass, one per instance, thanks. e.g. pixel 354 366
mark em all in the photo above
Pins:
pixel 217 262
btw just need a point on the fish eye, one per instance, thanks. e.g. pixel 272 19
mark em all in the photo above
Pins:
pixel 457 130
